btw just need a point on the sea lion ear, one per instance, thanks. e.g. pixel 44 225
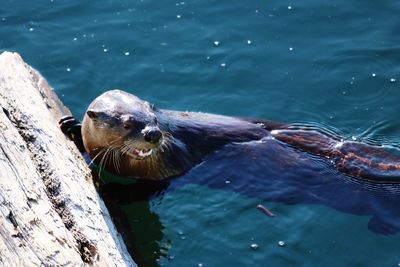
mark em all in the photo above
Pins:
pixel 94 115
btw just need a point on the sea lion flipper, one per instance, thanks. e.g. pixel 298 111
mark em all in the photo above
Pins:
pixel 71 127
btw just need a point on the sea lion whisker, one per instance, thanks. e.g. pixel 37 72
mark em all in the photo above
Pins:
pixel 116 159
pixel 104 160
pixel 102 149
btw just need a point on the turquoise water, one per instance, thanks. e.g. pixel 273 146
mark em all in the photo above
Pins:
pixel 333 64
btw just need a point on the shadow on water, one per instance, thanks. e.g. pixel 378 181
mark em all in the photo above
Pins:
pixel 267 170
pixel 139 226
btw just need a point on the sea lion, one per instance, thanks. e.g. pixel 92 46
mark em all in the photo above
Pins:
pixel 132 138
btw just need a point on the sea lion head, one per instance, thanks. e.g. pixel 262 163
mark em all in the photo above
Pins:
pixel 122 132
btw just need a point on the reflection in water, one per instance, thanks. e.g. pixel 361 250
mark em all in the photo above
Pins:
pixel 140 228
pixel 267 170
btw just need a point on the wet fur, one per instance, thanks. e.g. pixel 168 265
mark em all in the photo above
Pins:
pixel 187 137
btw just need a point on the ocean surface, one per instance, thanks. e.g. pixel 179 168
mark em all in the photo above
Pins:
pixel 331 64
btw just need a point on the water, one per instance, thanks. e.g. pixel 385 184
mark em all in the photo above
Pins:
pixel 332 64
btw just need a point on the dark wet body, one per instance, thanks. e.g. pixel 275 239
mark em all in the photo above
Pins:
pixel 275 162
pixel 132 138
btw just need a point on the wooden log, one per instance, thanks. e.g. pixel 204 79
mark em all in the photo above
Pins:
pixel 50 212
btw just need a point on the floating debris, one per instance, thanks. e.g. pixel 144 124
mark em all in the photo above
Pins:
pixel 281 243
pixel 373 74
pixel 223 65
pixel 290 48
pixel 68 69
pixel 289 7
pixel 249 42
pixel 31 29
pixel 216 43
pixel 264 210
pixel 127 54
pixel 392 80
pixel 178 16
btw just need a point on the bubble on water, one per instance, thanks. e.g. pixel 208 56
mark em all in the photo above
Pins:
pixel 223 65
pixel 249 42
pixel 254 246
pixel 126 53
pixel 178 16
pixel 171 257
pixel 392 80
pixel 373 74
pixel 216 43
pixel 281 243
pixel 68 69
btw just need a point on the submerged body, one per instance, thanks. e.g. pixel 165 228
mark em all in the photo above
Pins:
pixel 129 137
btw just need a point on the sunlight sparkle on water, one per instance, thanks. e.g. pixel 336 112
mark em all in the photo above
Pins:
pixel 216 43
pixel 254 246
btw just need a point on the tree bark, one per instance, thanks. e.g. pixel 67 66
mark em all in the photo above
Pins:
pixel 50 212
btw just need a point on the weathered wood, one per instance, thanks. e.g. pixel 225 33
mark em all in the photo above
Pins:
pixel 50 212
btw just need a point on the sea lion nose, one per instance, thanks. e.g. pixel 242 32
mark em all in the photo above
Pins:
pixel 152 135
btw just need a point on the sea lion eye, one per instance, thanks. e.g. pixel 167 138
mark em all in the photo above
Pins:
pixel 127 125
